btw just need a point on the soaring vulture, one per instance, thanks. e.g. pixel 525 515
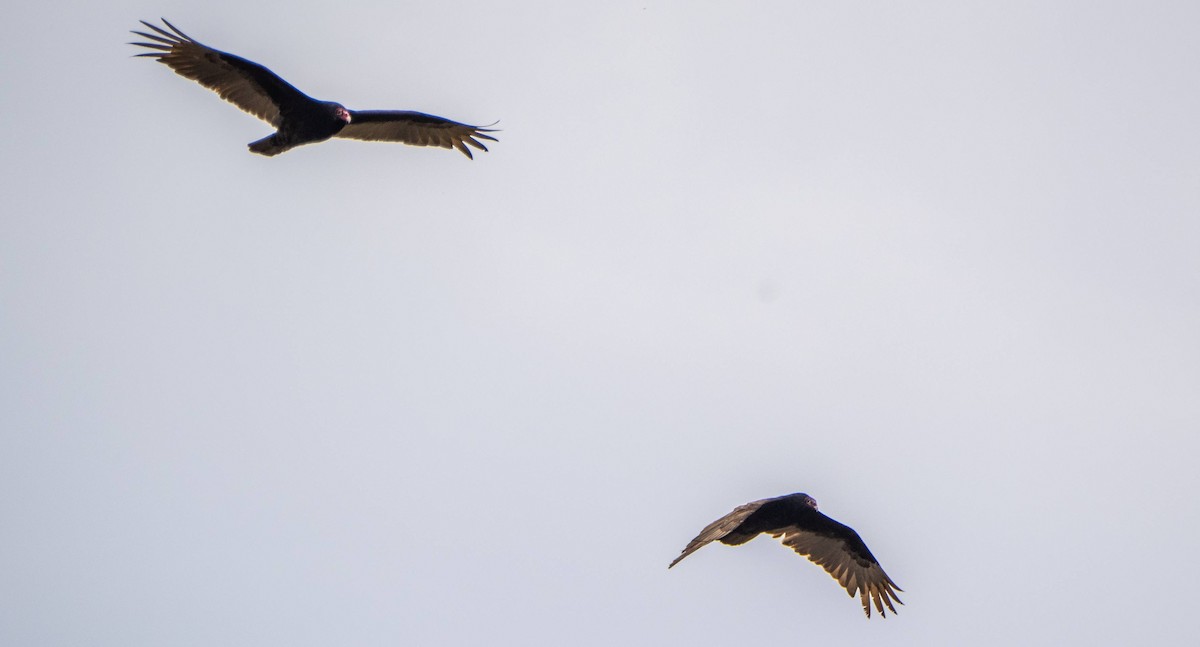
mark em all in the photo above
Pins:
pixel 794 520
pixel 298 118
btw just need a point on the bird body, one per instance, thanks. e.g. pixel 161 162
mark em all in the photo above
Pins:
pixel 795 520
pixel 298 118
pixel 308 123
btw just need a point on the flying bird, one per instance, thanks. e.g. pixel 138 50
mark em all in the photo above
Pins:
pixel 794 520
pixel 298 118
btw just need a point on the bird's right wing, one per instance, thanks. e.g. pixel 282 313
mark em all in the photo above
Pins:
pixel 841 552
pixel 414 129
pixel 243 83
pixel 720 528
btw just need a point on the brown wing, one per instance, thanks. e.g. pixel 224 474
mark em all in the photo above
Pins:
pixel 243 83
pixel 844 556
pixel 414 129
pixel 720 528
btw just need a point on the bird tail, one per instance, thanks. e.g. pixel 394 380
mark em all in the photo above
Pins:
pixel 270 145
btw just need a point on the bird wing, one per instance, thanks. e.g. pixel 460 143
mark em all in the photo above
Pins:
pixel 414 129
pixel 243 83
pixel 841 552
pixel 721 527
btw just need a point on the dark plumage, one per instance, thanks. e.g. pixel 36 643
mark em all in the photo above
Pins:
pixel 794 520
pixel 298 118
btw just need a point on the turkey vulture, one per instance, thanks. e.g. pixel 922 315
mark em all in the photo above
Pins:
pixel 298 118
pixel 827 543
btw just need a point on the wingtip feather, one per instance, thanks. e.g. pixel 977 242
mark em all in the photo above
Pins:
pixel 175 29
pixel 464 150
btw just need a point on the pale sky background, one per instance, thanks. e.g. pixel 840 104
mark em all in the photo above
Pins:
pixel 936 264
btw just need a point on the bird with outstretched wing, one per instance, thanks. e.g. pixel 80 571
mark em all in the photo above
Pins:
pixel 795 521
pixel 298 118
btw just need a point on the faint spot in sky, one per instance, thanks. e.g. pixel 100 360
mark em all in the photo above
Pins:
pixel 768 290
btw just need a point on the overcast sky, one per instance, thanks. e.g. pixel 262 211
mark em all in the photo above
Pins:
pixel 936 264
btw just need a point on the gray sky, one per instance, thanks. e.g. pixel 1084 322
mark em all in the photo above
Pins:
pixel 933 263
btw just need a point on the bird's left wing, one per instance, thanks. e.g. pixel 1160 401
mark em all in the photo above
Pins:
pixel 719 528
pixel 843 554
pixel 414 129
pixel 243 83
